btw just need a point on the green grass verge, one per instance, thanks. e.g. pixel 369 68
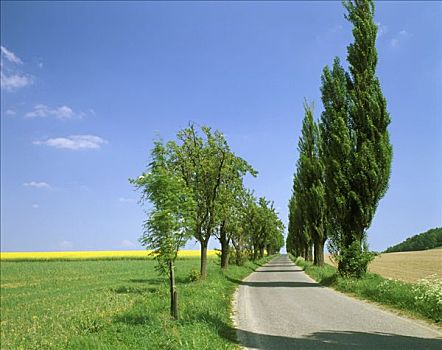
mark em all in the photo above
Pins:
pixel 120 304
pixel 422 300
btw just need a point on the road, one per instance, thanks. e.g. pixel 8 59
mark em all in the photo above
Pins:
pixel 280 307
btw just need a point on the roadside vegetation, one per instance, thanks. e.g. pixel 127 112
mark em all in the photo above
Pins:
pixel 422 299
pixel 116 305
pixel 194 189
pixel 423 241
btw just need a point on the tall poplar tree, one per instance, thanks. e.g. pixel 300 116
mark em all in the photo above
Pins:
pixel 311 184
pixel 369 120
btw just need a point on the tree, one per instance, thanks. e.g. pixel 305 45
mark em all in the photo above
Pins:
pixel 336 153
pixel 170 220
pixel 369 120
pixel 201 163
pixel 311 187
pixel 229 203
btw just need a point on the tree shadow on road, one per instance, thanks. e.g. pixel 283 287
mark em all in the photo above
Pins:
pixel 274 283
pixel 278 270
pixel 328 340
pixel 325 340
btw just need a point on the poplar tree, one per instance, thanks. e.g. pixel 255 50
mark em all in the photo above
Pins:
pixel 369 120
pixel 311 184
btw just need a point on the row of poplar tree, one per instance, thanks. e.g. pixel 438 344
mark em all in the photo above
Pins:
pixel 196 191
pixel 345 158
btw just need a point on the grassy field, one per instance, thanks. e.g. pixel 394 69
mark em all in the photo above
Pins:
pixel 117 304
pixel 92 255
pixel 422 299
pixel 407 266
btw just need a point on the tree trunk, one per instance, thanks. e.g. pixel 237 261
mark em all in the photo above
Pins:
pixel 319 253
pixel 309 253
pixel 238 257
pixel 255 253
pixel 203 269
pixel 224 246
pixel 173 292
pixel 261 252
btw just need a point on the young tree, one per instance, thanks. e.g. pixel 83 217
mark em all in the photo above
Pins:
pixel 170 220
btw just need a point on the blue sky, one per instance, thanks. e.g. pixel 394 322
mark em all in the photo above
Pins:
pixel 87 87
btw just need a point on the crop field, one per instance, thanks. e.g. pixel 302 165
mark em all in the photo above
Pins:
pixel 92 255
pixel 407 266
pixel 114 304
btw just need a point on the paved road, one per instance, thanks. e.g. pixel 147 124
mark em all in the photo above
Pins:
pixel 279 307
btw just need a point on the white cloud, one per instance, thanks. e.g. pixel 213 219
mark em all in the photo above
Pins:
pixel 36 184
pixel 10 56
pixel 403 32
pixel 126 200
pixel 74 142
pixel 10 112
pixel 14 81
pixel 402 36
pixel 394 42
pixel 11 79
pixel 62 112
pixel 382 29
pixel 126 243
pixel 65 244
pixel 35 206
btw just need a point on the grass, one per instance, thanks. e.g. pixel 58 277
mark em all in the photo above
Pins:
pixel 422 299
pixel 120 304
pixel 92 255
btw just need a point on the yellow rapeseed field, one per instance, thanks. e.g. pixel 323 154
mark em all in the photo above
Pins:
pixel 84 255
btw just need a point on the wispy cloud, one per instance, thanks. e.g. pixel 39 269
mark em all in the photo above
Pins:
pixel 126 200
pixel 14 81
pixel 35 206
pixel 10 112
pixel 10 56
pixel 62 112
pixel 74 142
pixel 10 76
pixel 382 29
pixel 399 38
pixel 66 245
pixel 127 244
pixel 37 184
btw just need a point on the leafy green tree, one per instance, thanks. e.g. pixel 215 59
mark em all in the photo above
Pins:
pixel 311 189
pixel 336 154
pixel 369 120
pixel 229 203
pixel 170 221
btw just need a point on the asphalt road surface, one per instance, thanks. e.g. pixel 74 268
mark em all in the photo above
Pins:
pixel 280 307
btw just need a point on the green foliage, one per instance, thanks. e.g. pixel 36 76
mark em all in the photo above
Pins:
pixel 354 152
pixel 115 305
pixel 422 299
pixel 307 210
pixel 171 218
pixel 353 260
pixel 426 240
pixel 194 275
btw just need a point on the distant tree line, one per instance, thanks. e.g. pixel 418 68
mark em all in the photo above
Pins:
pixel 423 241
pixel 195 187
pixel 345 158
